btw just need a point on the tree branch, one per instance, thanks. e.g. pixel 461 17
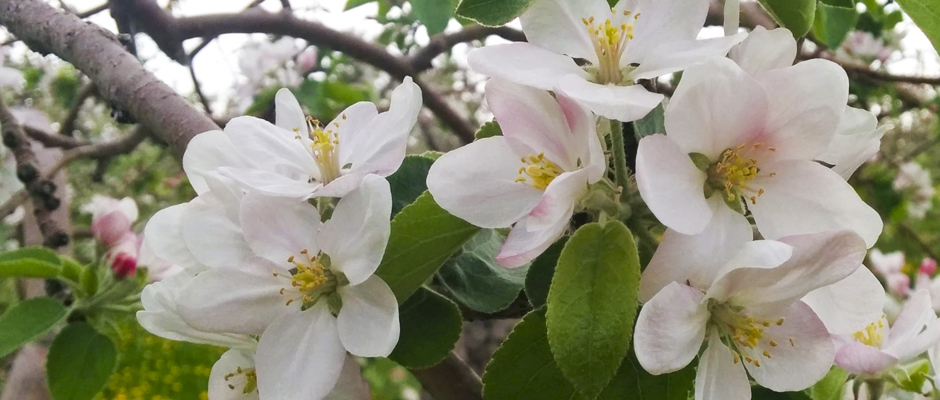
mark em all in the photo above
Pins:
pixel 68 125
pixel 452 379
pixel 443 42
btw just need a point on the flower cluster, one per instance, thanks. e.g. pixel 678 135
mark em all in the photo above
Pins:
pixel 289 287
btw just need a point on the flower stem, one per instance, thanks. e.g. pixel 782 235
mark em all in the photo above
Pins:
pixel 732 16
pixel 620 156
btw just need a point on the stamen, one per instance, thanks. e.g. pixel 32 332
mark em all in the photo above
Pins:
pixel 540 170
pixel 610 42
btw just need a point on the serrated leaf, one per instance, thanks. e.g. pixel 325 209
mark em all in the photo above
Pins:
pixel 434 14
pixel 423 237
pixel 475 279
pixel 592 304
pixel 430 327
pixel 488 129
pixel 492 12
pixel 409 182
pixel 795 15
pixel 27 321
pixel 834 20
pixel 80 362
pixel 633 382
pixel 830 387
pixel 654 122
pixel 926 14
pixel 539 277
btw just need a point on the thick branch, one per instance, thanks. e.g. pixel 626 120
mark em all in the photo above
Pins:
pixel 118 74
pixel 452 379
pixel 441 43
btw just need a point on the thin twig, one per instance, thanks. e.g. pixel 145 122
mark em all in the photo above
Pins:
pixel 452 379
pixel 926 247
pixel 198 89
pixel 68 124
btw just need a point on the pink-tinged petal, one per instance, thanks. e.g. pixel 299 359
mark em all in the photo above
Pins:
pixel 621 103
pixel 208 152
pixel 164 235
pixel 764 50
pixel 215 238
pixel 679 55
pixel 272 183
pixel 670 329
pixel 380 146
pixel 287 113
pixel 916 346
pixel 559 200
pixel 558 25
pixel 524 63
pixel 271 147
pixel 886 264
pixel 468 181
pixel 277 228
pixel 671 185
pixel 857 140
pixel 858 358
pixel 300 356
pixel 532 122
pixel 368 322
pixel 802 356
pixel 351 384
pixel 523 245
pixel 806 102
pixel 356 235
pixel 583 128
pixel 244 300
pixel 225 381
pixel 848 306
pixel 805 197
pixel 109 228
pixel 915 314
pixel 696 259
pixel 718 376
pixel 718 106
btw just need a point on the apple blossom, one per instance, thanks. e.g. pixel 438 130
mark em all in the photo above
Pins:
pixel 537 170
pixel 309 291
pixel 750 316
pixel 634 40
pixel 889 266
pixel 915 178
pixel 111 218
pixel 751 142
pixel 298 157
pixel 9 77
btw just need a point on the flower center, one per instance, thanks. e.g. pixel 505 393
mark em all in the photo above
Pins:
pixel 873 334
pixel 538 171
pixel 610 41
pixel 746 336
pixel 311 277
pixel 734 171
pixel 246 378
pixel 324 148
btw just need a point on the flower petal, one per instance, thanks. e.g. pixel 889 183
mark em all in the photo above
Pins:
pixel 164 235
pixel 272 183
pixel 277 228
pixel 558 25
pixel 621 103
pixel 351 384
pixel 368 322
pixel 356 235
pixel 718 377
pixel 912 319
pixel 380 146
pixel 524 243
pixel 271 147
pixel 679 55
pixel 764 50
pixel 805 197
pixel 215 237
pixel 287 112
pixel 341 186
pixel 523 63
pixel 671 185
pixel 848 306
pixel 661 22
pixel 857 140
pixel 300 356
pixel 468 181
pixel 670 329
pixel 858 358
pixel 225 383
pixel 559 200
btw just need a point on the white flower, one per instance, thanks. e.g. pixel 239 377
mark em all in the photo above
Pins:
pixel 750 315
pixel 915 178
pixel 636 39
pixel 10 77
pixel 310 292
pixel 889 266
pixel 299 158
pixel 879 347
pixel 533 175
pixel 864 45
pixel 736 141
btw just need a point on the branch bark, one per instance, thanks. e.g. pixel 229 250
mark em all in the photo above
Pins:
pixel 452 379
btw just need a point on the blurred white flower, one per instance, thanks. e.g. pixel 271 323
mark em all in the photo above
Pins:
pixel 865 46
pixel 10 77
pixel 915 179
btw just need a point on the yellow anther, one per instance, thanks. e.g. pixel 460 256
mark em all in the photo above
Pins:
pixel 780 321
pixel 610 41
pixel 773 343
pixel 540 170
pixel 792 342
pixel 872 335
pixel 757 363
pixel 766 354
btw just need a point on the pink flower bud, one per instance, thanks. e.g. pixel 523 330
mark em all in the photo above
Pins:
pixel 123 256
pixel 111 218
pixel 899 284
pixel 928 266
pixel 124 265
pixel 307 60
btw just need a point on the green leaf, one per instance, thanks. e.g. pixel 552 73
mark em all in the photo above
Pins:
pixel 423 237
pixel 592 304
pixel 910 377
pixel 28 320
pixel 633 382
pixel 523 367
pixel 350 4
pixel 834 20
pixel 434 14
pixel 80 362
pixel 654 122
pixel 492 12
pixel 830 387
pixel 32 262
pixel 926 14
pixel 795 15
pixel 409 182
pixel 488 129
pixel 477 280
pixel 37 253
pixel 430 327
pixel 539 278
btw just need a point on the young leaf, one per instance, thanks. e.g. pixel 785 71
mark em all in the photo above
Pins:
pixel 592 304
pixel 795 15
pixel 488 129
pixel 434 14
pixel 633 382
pixel 492 12
pixel 430 327
pixel 834 20
pixel 28 320
pixel 654 122
pixel 423 237
pixel 409 182
pixel 80 362
pixel 926 14
pixel 830 387
pixel 539 277
pixel 32 262
pixel 477 280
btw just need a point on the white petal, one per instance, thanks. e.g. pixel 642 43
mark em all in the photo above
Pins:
pixel 911 349
pixel 356 235
pixel 287 112
pixel 661 22
pixel 368 322
pixel 670 329
pixel 764 50
pixel 671 185
pixel 523 63
pixel 858 358
pixel 225 376
pixel 300 356
pixel 621 103
pixel 351 128
pixel 696 258
pixel 718 377
pixel 128 207
pixel 468 181
pixel 848 306
pixel 278 228
pixel 717 106
pixel 557 25
pixel 805 197
pixel 380 146
pixel 806 103
pixel 524 244
pixel 857 140
pixel 272 183
pixel 559 200
pixel 341 186
pixel 215 237
pixel 916 314
pixel 679 55
pixel 164 235
pixel 270 146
